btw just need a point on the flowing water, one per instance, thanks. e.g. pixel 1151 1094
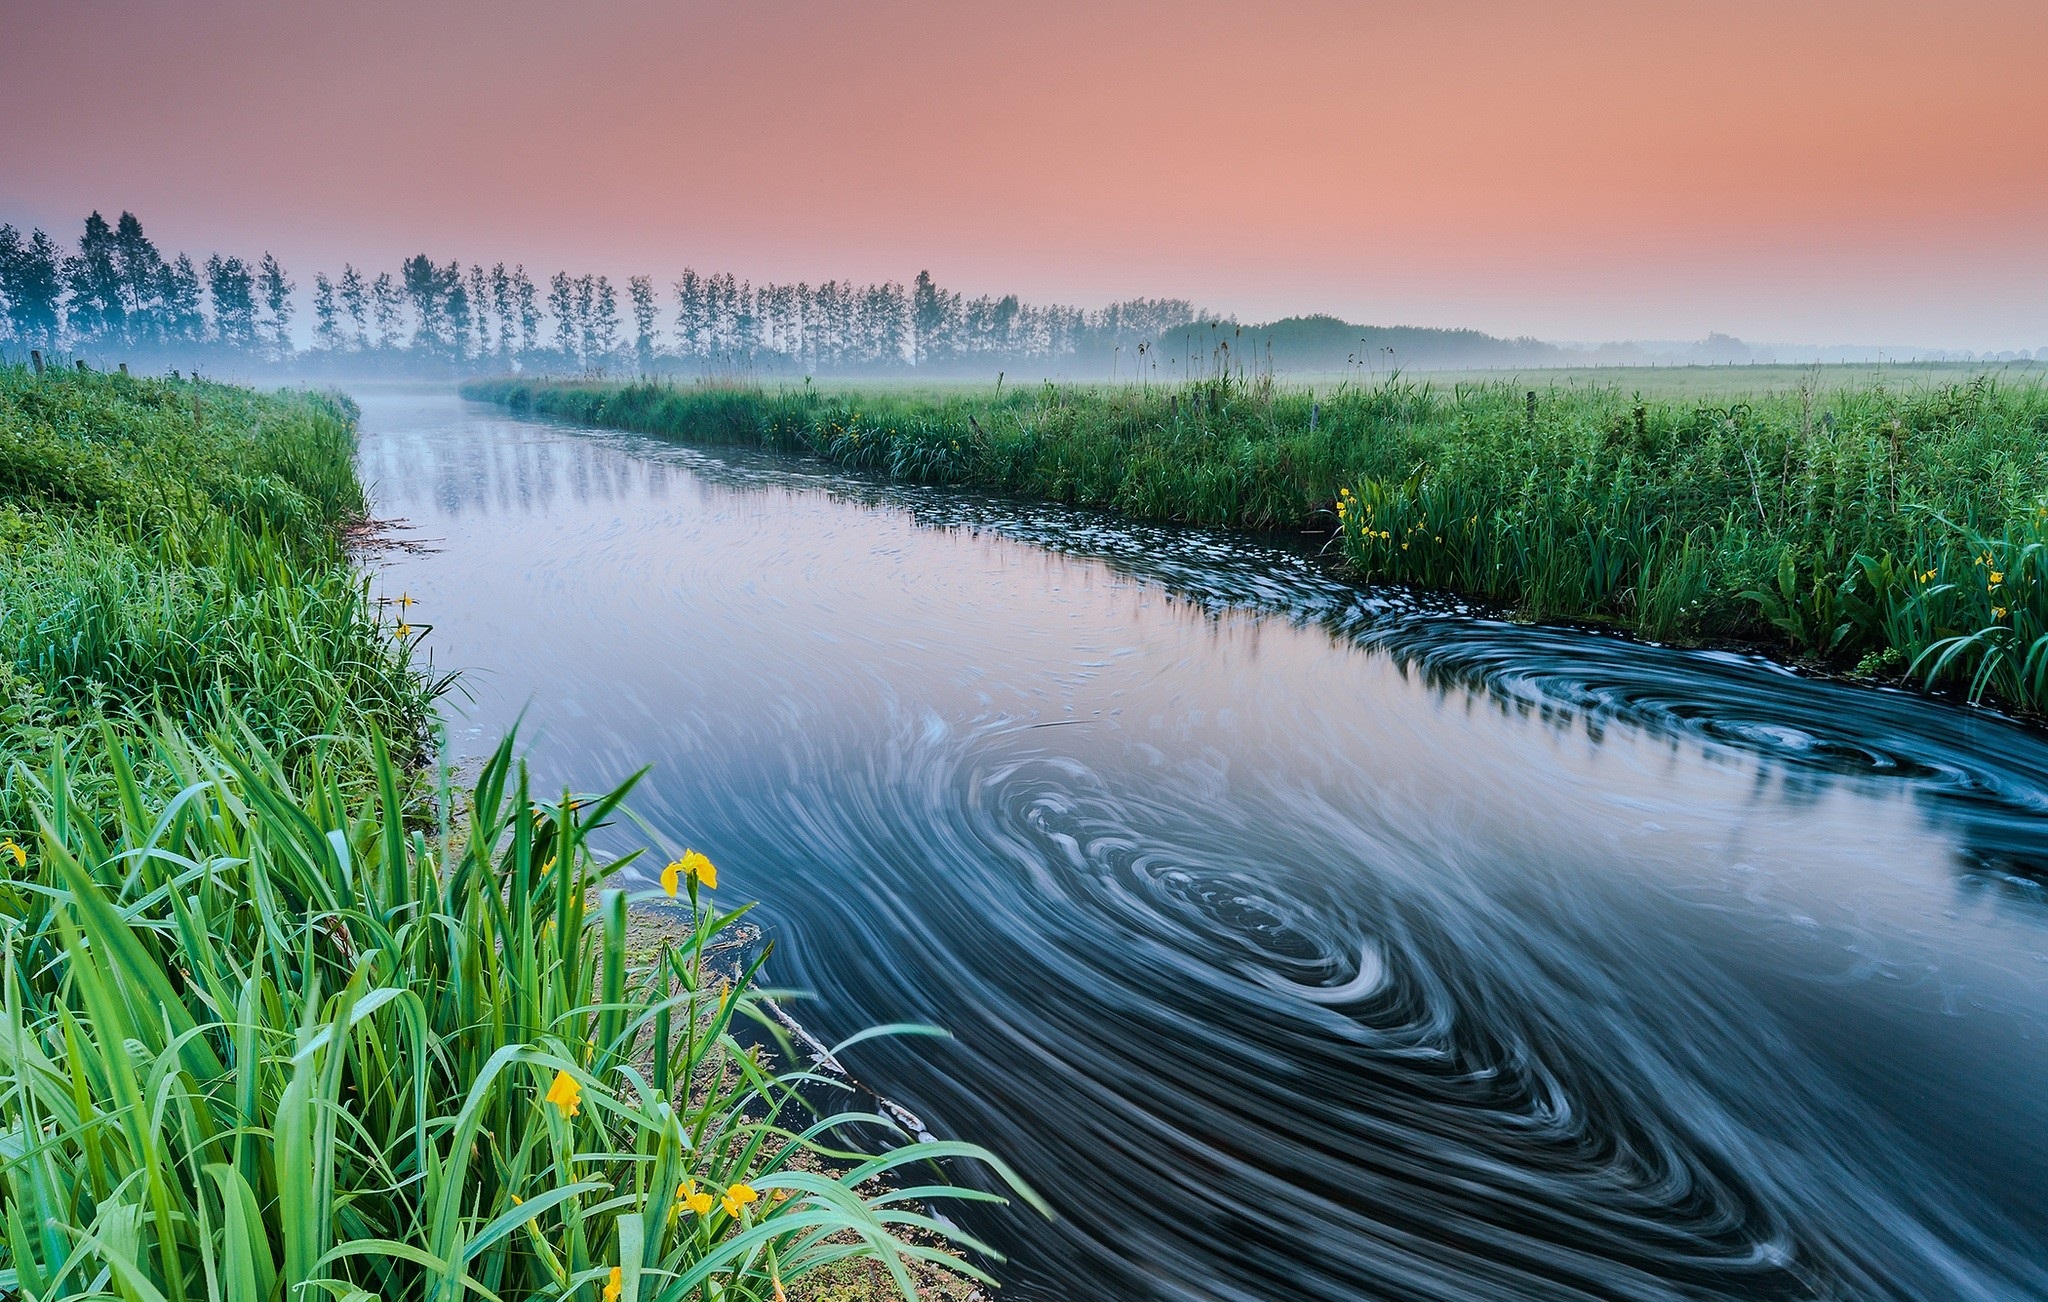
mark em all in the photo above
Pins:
pixel 1297 941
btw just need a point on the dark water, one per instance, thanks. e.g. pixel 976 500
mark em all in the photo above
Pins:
pixel 1297 943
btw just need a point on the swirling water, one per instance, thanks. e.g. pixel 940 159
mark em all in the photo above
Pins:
pixel 1297 941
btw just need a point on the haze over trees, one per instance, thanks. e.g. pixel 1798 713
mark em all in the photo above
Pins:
pixel 112 295
pixel 115 295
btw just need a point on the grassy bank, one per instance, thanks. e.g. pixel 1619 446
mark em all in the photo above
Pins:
pixel 278 1023
pixel 171 551
pixel 1896 532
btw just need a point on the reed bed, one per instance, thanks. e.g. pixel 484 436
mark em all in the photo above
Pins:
pixel 1900 533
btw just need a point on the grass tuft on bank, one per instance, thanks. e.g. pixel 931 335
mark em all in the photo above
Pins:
pixel 1896 532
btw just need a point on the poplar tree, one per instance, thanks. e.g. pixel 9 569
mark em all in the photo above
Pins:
pixel 690 314
pixel 460 319
pixel 604 321
pixel 586 294
pixel 178 295
pixel 138 268
pixel 355 302
pixel 326 319
pixel 523 296
pixel 277 304
pixel 502 304
pixel 232 290
pixel 95 313
pixel 562 306
pixel 423 286
pixel 479 310
pixel 389 306
pixel 642 290
pixel 31 279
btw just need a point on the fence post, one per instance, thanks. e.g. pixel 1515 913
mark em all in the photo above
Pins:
pixel 35 357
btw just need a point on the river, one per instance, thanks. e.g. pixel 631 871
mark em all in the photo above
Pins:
pixel 1296 941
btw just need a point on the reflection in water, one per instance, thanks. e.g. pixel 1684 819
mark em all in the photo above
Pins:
pixel 1328 946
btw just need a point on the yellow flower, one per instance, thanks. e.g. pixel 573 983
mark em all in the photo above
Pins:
pixel 615 1285
pixel 1998 612
pixel 405 599
pixel 404 629
pixel 566 1093
pixel 695 864
pixel 736 1197
pixel 1928 577
pixel 19 855
pixel 1997 577
pixel 697 1200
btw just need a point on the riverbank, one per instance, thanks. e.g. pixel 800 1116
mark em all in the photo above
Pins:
pixel 175 556
pixel 1900 534
pixel 281 1017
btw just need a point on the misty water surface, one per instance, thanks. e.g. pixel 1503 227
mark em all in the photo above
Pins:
pixel 1296 943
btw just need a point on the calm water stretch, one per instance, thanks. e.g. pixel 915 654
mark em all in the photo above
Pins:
pixel 1296 942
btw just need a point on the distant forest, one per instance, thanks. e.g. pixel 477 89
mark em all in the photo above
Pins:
pixel 114 296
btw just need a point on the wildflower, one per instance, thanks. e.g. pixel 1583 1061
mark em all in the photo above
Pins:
pixel 615 1285
pixel 405 599
pixel 697 1200
pixel 14 851
pixel 404 629
pixel 1997 577
pixel 1998 612
pixel 693 864
pixel 1928 577
pixel 737 1196
pixel 566 1093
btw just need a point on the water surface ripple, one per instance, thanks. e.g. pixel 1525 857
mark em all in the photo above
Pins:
pixel 1297 941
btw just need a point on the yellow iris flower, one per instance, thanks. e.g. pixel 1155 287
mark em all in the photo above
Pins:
pixel 697 1200
pixel 566 1094
pixel 1997 577
pixel 693 864
pixel 615 1285
pixel 736 1197
pixel 9 848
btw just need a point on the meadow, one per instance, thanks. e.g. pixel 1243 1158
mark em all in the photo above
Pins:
pixel 1893 529
pixel 282 1016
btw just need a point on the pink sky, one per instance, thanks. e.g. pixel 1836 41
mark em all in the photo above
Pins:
pixel 1867 172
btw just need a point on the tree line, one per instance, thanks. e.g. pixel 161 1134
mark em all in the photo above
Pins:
pixel 116 293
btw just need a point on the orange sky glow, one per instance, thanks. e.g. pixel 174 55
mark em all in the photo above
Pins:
pixel 1870 172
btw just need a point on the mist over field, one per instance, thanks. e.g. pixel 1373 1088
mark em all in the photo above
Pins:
pixel 114 296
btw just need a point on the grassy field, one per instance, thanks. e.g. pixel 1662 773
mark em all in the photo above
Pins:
pixel 278 1021
pixel 1745 382
pixel 1896 530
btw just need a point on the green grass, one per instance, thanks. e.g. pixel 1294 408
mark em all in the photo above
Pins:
pixel 271 1027
pixel 271 1041
pixel 172 550
pixel 1896 531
